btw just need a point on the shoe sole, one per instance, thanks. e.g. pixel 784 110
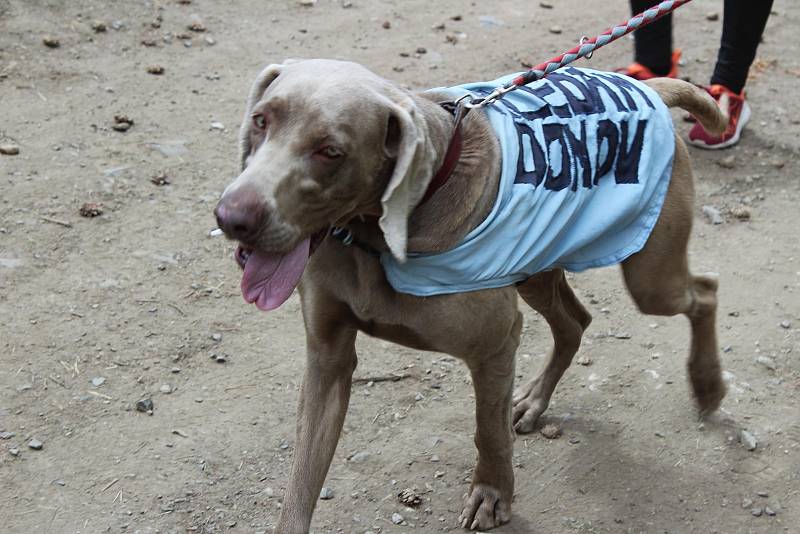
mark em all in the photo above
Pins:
pixel 744 118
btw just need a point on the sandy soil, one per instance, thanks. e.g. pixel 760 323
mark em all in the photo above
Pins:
pixel 141 297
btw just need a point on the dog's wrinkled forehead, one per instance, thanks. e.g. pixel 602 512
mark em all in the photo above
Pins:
pixel 330 85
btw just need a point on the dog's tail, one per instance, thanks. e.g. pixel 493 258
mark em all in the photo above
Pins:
pixel 678 93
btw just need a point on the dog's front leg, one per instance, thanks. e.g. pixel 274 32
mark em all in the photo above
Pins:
pixel 324 396
pixel 488 504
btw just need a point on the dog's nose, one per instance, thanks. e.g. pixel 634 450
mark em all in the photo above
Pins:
pixel 240 214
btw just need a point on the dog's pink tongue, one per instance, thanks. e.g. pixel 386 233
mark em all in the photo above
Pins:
pixel 269 279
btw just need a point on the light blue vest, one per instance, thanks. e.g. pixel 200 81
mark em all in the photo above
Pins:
pixel 586 162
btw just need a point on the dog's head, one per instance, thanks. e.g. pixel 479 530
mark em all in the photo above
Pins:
pixel 321 142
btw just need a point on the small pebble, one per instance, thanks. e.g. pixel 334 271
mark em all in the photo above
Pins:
pixel 359 457
pixel 767 362
pixel 9 149
pixel 155 69
pixel 5 434
pixel 748 440
pixel 769 511
pixel 728 162
pixel 584 360
pixel 545 5
pixel 51 42
pixel 550 431
pixel 166 389
pixel 196 23
pixel 747 503
pixel 217 126
pixel 160 179
pixel 397 518
pixel 145 405
pixel 59 482
pixel 762 493
pixel 409 497
pixel 99 26
pixel 122 123
pixel 386 25
pixel 756 511
pixel 742 213
pixel 712 16
pixel 216 336
pixel 35 444
pixel 210 41
pixel 555 29
pixel 220 358
pixel 712 214
pixel 91 209
pixel 786 325
pixel 98 381
pixel 13 451
pixel 326 494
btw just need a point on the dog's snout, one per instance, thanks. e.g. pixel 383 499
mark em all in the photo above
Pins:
pixel 240 214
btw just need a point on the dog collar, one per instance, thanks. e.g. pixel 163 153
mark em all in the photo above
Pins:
pixel 451 157
pixel 453 154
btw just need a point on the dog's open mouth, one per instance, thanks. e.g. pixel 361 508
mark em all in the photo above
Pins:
pixel 269 278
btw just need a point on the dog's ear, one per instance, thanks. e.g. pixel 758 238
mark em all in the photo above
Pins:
pixel 266 77
pixel 407 141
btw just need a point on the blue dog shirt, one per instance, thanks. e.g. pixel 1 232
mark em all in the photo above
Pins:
pixel 586 162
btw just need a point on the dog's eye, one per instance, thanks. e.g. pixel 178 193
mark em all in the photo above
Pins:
pixel 259 121
pixel 329 152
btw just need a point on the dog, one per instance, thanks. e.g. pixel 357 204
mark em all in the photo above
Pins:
pixel 330 145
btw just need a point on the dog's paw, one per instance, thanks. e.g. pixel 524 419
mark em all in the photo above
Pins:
pixel 485 508
pixel 528 404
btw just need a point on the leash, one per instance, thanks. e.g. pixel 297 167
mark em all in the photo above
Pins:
pixel 585 48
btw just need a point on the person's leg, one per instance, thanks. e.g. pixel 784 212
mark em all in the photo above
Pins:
pixel 653 43
pixel 742 26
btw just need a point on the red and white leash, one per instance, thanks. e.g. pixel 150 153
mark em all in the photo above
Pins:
pixel 585 49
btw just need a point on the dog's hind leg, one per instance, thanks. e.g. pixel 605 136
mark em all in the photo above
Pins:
pixel 549 294
pixel 660 283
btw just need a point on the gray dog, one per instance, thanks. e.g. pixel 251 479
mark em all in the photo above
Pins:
pixel 328 144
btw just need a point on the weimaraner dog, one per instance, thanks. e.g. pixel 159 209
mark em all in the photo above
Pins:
pixel 328 144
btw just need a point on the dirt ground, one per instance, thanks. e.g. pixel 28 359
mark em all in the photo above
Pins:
pixel 97 313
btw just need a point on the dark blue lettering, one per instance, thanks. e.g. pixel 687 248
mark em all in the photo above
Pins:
pixel 591 101
pixel 536 175
pixel 554 133
pixel 627 87
pixel 579 150
pixel 606 131
pixel 627 171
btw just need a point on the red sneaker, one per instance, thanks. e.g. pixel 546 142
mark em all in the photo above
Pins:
pixel 735 107
pixel 637 71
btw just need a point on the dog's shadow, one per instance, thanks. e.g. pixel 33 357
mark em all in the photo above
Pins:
pixel 622 483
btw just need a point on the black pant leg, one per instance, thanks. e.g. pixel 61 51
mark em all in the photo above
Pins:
pixel 742 26
pixel 653 43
